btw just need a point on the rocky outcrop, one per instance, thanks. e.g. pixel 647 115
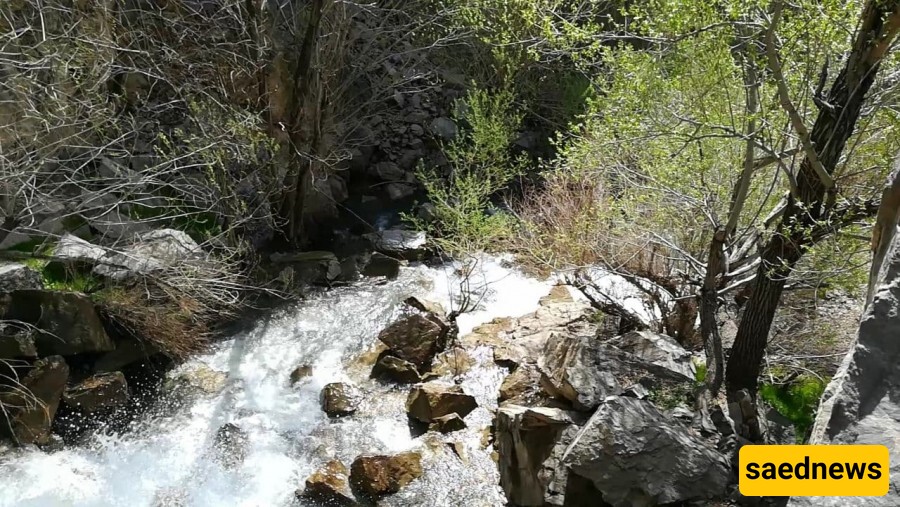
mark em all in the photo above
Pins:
pixel 635 456
pixel 149 252
pixel 101 391
pixel 16 343
pixel 329 485
pixel 15 276
pixel 861 405
pixel 395 369
pixel 198 379
pixel 584 371
pixel 447 423
pixel 374 476
pixel 522 386
pixel 430 401
pixel 310 267
pixel 525 439
pixel 30 411
pixel 399 243
pixel 66 322
pixel 415 338
pixel 657 349
pixel 339 399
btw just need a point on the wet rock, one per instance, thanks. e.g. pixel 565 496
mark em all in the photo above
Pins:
pixel 415 338
pixel 30 411
pixel 339 399
pixel 430 401
pixel 447 423
pixel 128 351
pixel 374 476
pixel 628 442
pixel 525 439
pixel 196 379
pixel 66 322
pixel 402 242
pixel 231 445
pixel 424 305
pixel 301 372
pixel 657 349
pixel 329 485
pixel 15 343
pixel 381 265
pixel 316 267
pixel 101 391
pixel 15 276
pixel 584 371
pixel 396 369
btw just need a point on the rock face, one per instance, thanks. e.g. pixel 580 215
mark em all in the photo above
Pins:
pixel 861 405
pixel 339 399
pixel 104 390
pixel 67 322
pixel 310 267
pixel 526 438
pixel 374 476
pixel 430 401
pixel 396 369
pixel 448 423
pixel 634 456
pixel 415 338
pixel 584 371
pixel 522 386
pixel 31 416
pixel 17 343
pixel 15 276
pixel 657 349
pixel 329 485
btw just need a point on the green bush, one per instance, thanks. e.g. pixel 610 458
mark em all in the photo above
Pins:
pixel 796 401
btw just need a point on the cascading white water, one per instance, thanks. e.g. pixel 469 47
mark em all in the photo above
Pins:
pixel 167 459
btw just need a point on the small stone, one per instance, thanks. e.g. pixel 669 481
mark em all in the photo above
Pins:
pixel 339 399
pixel 375 476
pixel 301 372
pixel 448 423
pixel 329 485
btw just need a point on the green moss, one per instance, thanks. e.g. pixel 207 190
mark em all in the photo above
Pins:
pixel 796 401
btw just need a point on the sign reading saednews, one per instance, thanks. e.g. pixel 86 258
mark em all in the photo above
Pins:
pixel 814 470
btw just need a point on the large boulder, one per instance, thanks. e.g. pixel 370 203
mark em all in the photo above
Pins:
pixel 195 380
pixel 415 338
pixel 635 456
pixel 15 276
pixel 526 439
pixel 329 485
pixel 28 412
pixel 428 402
pixel 584 371
pixel 101 391
pixel 374 476
pixel 317 267
pixel 66 322
pixel 400 243
pixel 379 264
pixel 861 404
pixel 15 343
pixel 129 350
pixel 339 399
pixel 396 369
pixel 658 349
pixel 152 251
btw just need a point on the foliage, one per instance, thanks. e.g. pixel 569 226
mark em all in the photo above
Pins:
pixel 796 401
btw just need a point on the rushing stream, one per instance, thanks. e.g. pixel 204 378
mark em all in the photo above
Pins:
pixel 168 457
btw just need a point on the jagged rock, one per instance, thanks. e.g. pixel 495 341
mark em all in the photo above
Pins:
pixel 231 445
pixel 381 265
pixel 525 439
pixel 196 379
pixel 423 305
pixel 396 369
pixel 415 338
pixel 16 343
pixel 15 276
pixel 73 249
pixel 862 402
pixel 151 251
pixel 329 485
pixel 104 390
pixel 388 171
pixel 374 476
pixel 444 128
pixel 429 401
pixel 398 241
pixel 301 372
pixel 522 386
pixel 448 423
pixel 66 322
pixel 634 456
pixel 339 399
pixel 658 349
pixel 29 413
pixel 455 361
pixel 584 371
pixel 128 351
pixel 316 267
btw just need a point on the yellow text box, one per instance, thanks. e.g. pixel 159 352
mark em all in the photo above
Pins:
pixel 814 470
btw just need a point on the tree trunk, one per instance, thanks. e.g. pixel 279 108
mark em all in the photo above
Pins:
pixel 838 114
